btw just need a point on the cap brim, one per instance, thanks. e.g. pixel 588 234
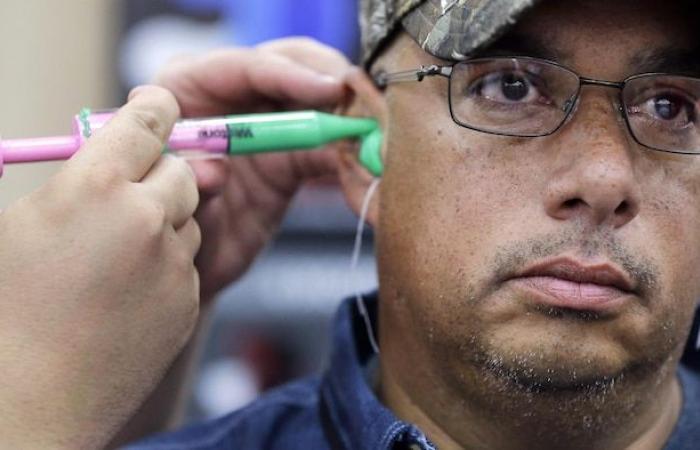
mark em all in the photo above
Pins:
pixel 455 29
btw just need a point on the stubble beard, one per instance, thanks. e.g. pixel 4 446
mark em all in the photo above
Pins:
pixel 547 397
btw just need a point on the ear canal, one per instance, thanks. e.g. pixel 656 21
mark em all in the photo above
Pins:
pixel 371 152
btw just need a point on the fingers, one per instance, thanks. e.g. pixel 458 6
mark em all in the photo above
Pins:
pixel 311 53
pixel 211 175
pixel 172 182
pixel 134 139
pixel 240 80
pixel 191 236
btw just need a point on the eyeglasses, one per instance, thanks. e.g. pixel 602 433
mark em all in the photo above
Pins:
pixel 531 97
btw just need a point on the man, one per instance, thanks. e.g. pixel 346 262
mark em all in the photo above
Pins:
pixel 536 225
pixel 537 247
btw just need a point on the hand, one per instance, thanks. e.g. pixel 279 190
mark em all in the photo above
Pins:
pixel 244 198
pixel 99 292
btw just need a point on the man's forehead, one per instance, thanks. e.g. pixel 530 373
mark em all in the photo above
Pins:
pixel 659 52
pixel 655 38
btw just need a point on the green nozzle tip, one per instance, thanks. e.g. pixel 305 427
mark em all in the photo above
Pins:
pixel 84 118
pixel 340 127
pixel 371 152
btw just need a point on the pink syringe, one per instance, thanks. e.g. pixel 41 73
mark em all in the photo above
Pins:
pixel 206 135
pixel 228 135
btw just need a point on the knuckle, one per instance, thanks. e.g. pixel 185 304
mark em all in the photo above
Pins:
pixel 192 311
pixel 305 45
pixel 187 180
pixel 303 41
pixel 184 182
pixel 168 163
pixel 196 235
pixel 196 288
pixel 292 43
pixel 149 121
pixel 184 270
pixel 183 167
pixel 191 190
pixel 194 195
pixel 153 220
pixel 171 73
pixel 226 54
pixel 149 125
pixel 183 261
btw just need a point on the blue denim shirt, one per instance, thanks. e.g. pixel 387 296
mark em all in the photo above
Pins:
pixel 340 411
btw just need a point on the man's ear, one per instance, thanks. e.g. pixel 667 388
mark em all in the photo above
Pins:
pixel 364 100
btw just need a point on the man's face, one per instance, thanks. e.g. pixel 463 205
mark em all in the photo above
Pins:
pixel 483 239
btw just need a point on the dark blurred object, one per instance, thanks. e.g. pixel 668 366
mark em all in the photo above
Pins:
pixel 138 10
pixel 251 22
pixel 275 324
pixel 156 31
pixel 691 355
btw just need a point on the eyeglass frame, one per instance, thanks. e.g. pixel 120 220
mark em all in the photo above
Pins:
pixel 383 79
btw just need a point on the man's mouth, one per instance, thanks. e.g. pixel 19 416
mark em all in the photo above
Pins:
pixel 565 282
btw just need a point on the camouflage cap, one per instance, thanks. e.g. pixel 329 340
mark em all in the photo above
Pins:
pixel 448 29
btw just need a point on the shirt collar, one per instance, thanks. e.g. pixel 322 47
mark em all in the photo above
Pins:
pixel 356 417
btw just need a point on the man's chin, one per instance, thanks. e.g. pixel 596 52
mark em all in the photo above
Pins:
pixel 551 363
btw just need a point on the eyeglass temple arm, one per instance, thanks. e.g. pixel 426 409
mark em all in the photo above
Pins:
pixel 383 79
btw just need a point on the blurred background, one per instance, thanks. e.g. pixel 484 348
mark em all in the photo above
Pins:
pixel 57 57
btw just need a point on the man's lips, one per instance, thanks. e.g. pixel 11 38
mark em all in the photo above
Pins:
pixel 568 283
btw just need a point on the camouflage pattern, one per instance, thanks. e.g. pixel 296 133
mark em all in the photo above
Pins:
pixel 448 29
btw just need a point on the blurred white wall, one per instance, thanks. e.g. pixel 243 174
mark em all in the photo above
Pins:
pixel 56 56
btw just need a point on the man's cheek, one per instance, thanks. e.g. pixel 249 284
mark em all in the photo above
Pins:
pixel 668 230
pixel 672 225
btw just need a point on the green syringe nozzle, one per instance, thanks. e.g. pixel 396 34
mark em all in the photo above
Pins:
pixel 334 128
pixel 271 132
pixel 293 130
pixel 366 130
pixel 371 152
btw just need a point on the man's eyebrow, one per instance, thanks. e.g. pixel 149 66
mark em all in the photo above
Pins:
pixel 668 60
pixel 521 45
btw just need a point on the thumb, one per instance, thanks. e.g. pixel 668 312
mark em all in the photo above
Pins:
pixel 133 140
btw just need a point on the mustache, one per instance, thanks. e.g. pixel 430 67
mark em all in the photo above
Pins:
pixel 511 257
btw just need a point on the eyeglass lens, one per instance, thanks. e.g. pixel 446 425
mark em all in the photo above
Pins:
pixel 525 97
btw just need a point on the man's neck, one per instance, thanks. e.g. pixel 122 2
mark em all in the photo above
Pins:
pixel 465 428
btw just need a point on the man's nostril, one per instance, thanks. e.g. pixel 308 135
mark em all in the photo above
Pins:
pixel 623 208
pixel 572 203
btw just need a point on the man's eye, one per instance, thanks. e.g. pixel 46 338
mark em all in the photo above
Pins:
pixel 508 87
pixel 668 106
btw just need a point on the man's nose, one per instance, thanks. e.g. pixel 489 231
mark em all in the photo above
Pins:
pixel 594 178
